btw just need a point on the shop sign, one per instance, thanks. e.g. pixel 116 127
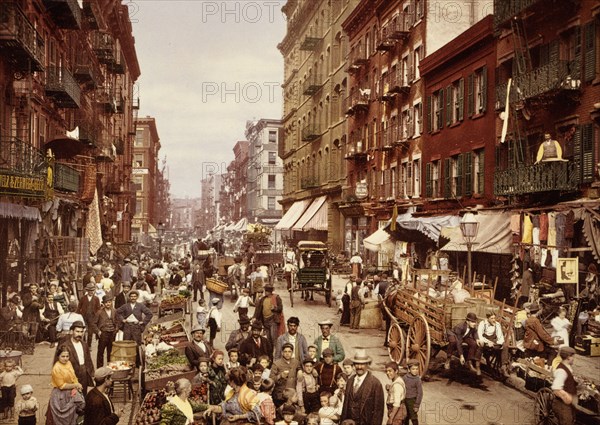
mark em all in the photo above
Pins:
pixel 27 186
pixel 567 270
pixel 361 191
pixel 139 171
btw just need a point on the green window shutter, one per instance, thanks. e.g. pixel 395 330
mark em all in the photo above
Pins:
pixel 461 99
pixel 447 177
pixel 587 153
pixel 468 159
pixel 481 172
pixel 589 51
pixel 471 94
pixel 429 107
pixel 428 182
pixel 449 105
pixel 440 117
pixel 484 89
pixel 577 153
pixel 459 175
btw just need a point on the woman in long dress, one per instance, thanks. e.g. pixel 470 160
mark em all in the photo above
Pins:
pixel 561 326
pixel 241 404
pixel 66 400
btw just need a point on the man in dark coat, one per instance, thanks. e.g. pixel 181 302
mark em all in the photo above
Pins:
pixel 364 400
pixel 88 306
pixel 465 332
pixel 84 368
pixel 123 296
pixel 255 346
pixel 134 317
pixel 31 304
pixel 198 348
pixel 99 409
pixel 198 282
pixel 269 312
pixel 239 335
pixel 105 326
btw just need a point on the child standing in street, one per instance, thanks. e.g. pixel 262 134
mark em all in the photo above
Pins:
pixel 396 393
pixel 214 320
pixel 233 359
pixel 414 392
pixel 8 380
pixel 202 313
pixel 26 409
pixel 243 303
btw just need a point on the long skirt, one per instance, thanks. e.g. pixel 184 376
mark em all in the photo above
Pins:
pixel 64 407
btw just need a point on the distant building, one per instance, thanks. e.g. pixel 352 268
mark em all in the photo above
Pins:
pixel 183 210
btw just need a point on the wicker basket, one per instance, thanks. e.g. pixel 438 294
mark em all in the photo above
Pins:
pixel 216 286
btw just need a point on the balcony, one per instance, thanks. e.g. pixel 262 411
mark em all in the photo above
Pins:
pixel 88 132
pixel 118 65
pixel 393 31
pixel 357 58
pixel 536 178
pixel 356 151
pixel 135 103
pixel 311 132
pixel 62 87
pixel 65 13
pixel 20 43
pixel 312 85
pixel 543 83
pixel 505 10
pixel 119 104
pixel 115 188
pixel 119 146
pixel 107 153
pixel 86 71
pixel 309 183
pixel 107 101
pixel 66 178
pixel 91 14
pixel 104 47
pixel 358 101
pixel 310 42
pixel 23 169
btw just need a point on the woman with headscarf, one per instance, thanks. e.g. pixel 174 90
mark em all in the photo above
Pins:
pixel 180 409
pixel 66 400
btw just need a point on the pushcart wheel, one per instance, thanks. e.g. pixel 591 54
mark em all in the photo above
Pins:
pixel 395 340
pixel 418 343
pixel 542 409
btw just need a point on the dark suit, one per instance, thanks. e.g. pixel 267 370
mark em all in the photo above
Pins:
pixel 133 331
pixel 98 410
pixel 249 349
pixel 463 333
pixel 107 328
pixel 366 406
pixel 193 352
pixel 271 323
pixel 88 309
pixel 120 300
pixel 84 372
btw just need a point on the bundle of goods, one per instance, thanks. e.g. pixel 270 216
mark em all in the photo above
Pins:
pixel 257 233
pixel 217 286
pixel 149 412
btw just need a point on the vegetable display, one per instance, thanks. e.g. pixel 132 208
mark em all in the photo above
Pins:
pixel 172 301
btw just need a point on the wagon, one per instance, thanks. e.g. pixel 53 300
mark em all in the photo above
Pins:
pixel 313 272
pixel 270 259
pixel 420 322
pixel 543 414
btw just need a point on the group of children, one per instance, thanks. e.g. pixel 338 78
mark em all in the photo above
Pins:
pixel 24 409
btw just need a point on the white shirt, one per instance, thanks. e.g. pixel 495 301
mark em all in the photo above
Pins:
pixel 485 328
pixel 79 349
pixel 324 343
pixel 560 376
pixel 201 344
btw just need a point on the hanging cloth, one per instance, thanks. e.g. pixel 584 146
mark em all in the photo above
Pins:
pixel 570 225
pixel 552 229
pixel 527 229
pixel 543 228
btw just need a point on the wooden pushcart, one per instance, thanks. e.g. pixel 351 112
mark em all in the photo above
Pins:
pixel 313 274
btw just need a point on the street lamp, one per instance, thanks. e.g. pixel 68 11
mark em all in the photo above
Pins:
pixel 161 231
pixel 469 226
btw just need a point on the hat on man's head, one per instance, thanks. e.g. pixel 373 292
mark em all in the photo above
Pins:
pixel 244 320
pixel 471 317
pixel 269 287
pixel 361 357
pixel 77 324
pixel 90 287
pixel 566 352
pixel 127 260
pixel 294 320
pixel 327 352
pixel 102 372
pixel 326 323
pixel 134 292
pixel 203 360
pixel 534 307
pixel 257 325
pixel 107 298
pixel 215 300
pixel 26 389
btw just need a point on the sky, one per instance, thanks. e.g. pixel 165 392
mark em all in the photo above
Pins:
pixel 206 68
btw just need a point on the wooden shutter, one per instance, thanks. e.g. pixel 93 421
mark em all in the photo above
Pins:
pixel 461 99
pixel 587 153
pixel 428 182
pixel 576 64
pixel 481 173
pixel 459 175
pixel 449 105
pixel 484 89
pixel 471 94
pixel 429 107
pixel 468 164
pixel 589 51
pixel 447 179
pixel 440 109
pixel 577 153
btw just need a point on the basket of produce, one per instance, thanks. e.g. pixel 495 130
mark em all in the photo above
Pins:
pixel 169 366
pixel 173 302
pixel 121 369
pixel 216 286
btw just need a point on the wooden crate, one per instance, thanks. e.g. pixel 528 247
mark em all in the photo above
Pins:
pixel 161 383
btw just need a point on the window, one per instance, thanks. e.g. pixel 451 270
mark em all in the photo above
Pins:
pixel 432 179
pixel 138 183
pixel 416 178
pixel 478 171
pixel 417 111
pixel 407 127
pixel 435 113
pixel 454 102
pixel 271 181
pixel 417 61
pixel 139 206
pixel 393 181
pixel 138 161
pixel 271 203
pixel 405 71
pixel 272 158
pixel 477 92
pixel 139 137
pixel 272 136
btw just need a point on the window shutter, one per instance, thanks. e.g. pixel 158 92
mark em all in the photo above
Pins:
pixel 440 117
pixel 481 173
pixel 484 89
pixel 447 182
pixel 471 94
pixel 459 175
pixel 461 99
pixel 448 105
pixel 587 153
pixel 429 107
pixel 554 52
pixel 589 51
pixel 468 159
pixel 411 71
pixel 576 64
pixel 577 153
pixel 428 182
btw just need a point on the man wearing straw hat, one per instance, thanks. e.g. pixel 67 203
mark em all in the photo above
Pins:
pixel 364 400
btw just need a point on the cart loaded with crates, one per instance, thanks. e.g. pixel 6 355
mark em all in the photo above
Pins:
pixel 313 272
pixel 422 312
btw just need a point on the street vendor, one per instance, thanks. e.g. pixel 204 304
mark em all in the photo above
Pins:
pixel 134 316
pixel 180 409
pixel 564 387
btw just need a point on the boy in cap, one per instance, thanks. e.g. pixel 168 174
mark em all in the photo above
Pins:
pixel 328 372
pixel 26 409
pixel 414 391
pixel 284 372
pixel 465 332
pixel 98 409
pixel 564 388
pixel 307 388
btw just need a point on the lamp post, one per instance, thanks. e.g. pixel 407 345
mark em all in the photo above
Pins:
pixel 161 231
pixel 469 226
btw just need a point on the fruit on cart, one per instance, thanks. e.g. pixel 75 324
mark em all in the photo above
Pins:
pixel 170 360
pixel 149 412
pixel 172 301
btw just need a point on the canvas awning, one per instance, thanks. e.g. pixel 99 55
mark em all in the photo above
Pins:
pixel 240 226
pixel 380 240
pixel 292 215
pixel 494 235
pixel 315 216
pixel 422 229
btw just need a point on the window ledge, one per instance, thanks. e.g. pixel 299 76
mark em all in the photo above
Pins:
pixel 433 133
pixel 454 124
pixel 477 116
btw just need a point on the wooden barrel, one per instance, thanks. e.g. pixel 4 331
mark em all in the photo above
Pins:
pixel 124 350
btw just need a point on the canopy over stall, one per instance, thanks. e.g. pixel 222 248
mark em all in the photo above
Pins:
pixel 315 216
pixel 380 240
pixel 494 235
pixel 292 215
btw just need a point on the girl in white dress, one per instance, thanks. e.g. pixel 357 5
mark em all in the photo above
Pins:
pixel 561 326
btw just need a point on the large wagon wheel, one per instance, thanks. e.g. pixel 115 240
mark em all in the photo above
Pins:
pixel 418 343
pixel 542 410
pixel 395 340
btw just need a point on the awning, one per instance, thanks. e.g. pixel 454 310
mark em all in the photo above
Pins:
pixel 313 218
pixel 292 215
pixel 269 221
pixel 380 240
pixel 422 229
pixel 152 229
pixel 8 210
pixel 230 227
pixel 494 235
pixel 240 226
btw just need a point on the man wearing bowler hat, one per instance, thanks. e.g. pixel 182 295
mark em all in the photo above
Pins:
pixel 564 387
pixel 79 355
pixel 198 348
pixel 105 326
pixel 465 332
pixel 326 340
pixel 299 345
pixel 269 312
pixel 363 400
pixel 88 306
pixel 239 335
pixel 255 346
